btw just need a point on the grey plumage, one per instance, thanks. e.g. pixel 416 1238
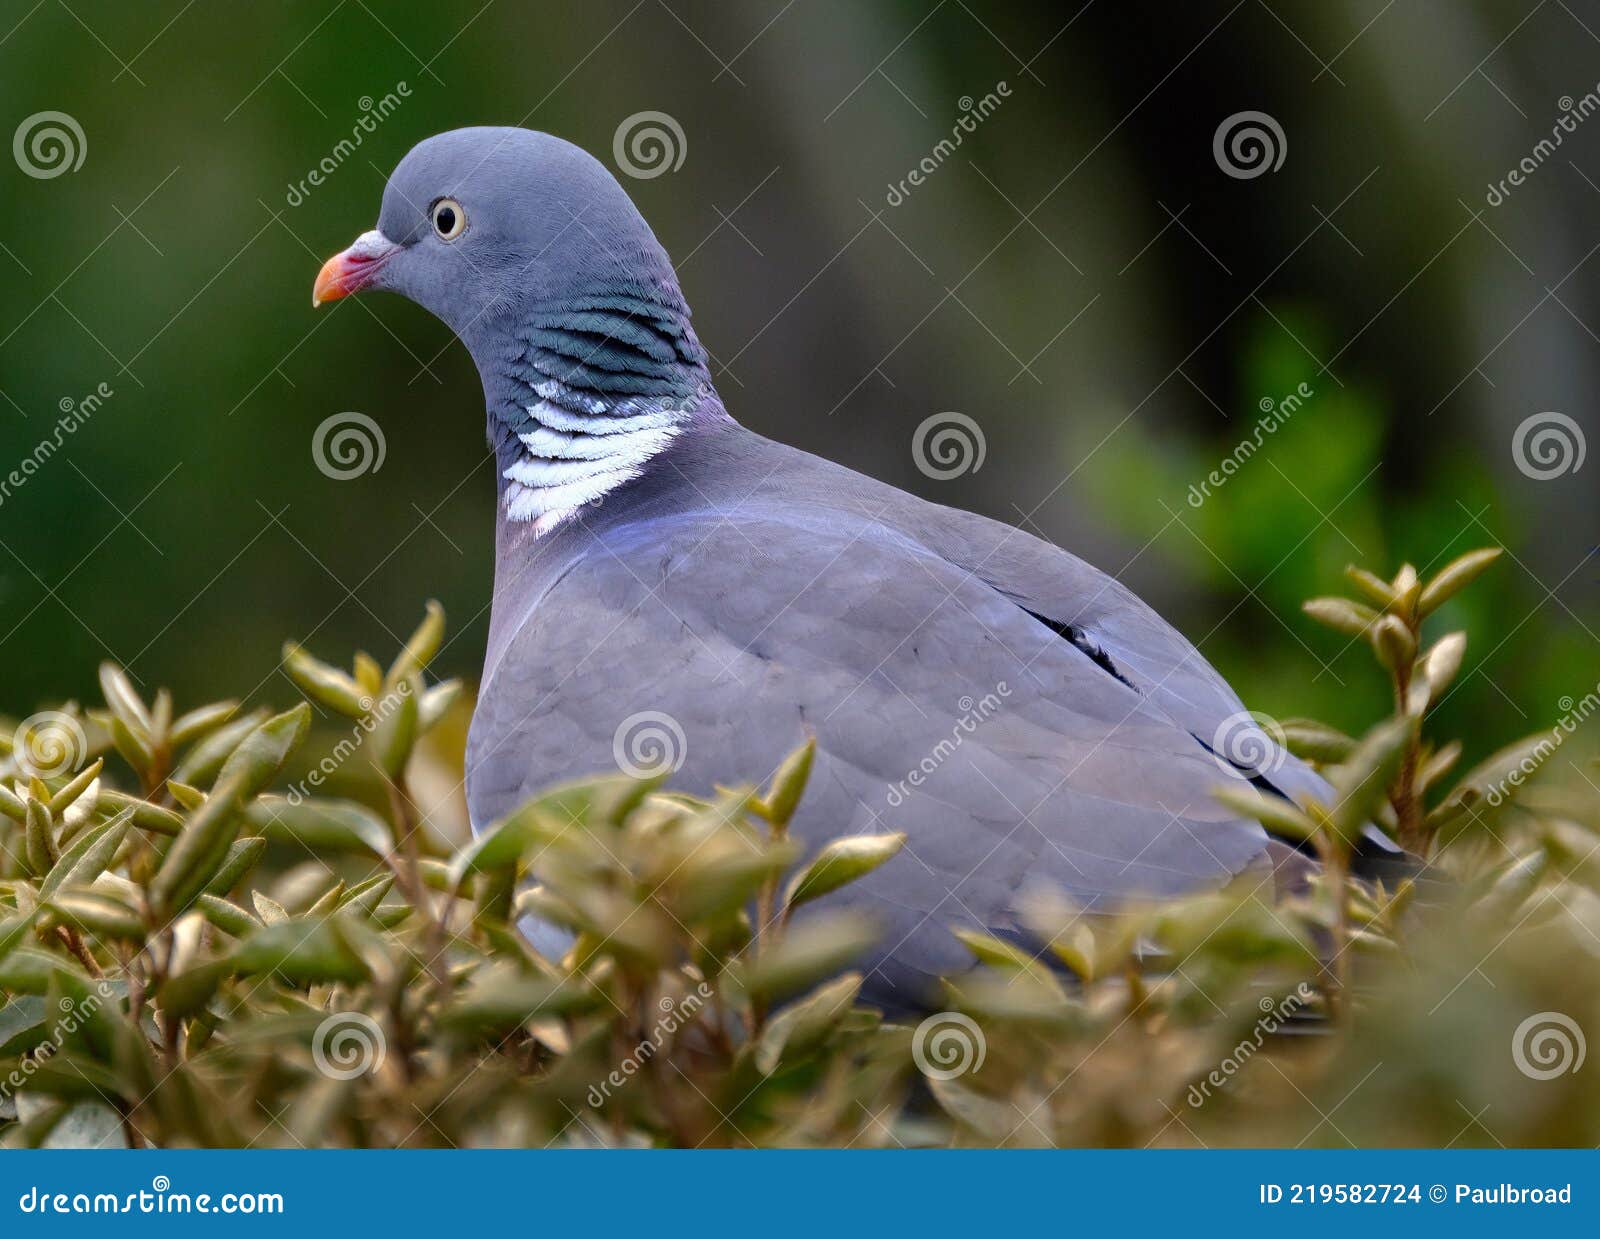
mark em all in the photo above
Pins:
pixel 756 594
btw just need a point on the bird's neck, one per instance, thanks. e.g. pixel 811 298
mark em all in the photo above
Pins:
pixel 585 397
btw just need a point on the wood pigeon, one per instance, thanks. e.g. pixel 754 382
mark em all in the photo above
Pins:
pixel 673 590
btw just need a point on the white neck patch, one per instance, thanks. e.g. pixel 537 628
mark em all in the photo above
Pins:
pixel 573 459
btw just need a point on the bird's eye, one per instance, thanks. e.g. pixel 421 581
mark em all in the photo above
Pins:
pixel 449 220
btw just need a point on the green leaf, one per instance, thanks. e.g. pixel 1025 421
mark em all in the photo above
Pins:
pixel 268 909
pixel 1455 577
pixel 200 767
pixel 262 753
pixel 435 702
pixel 840 862
pixel 198 722
pixel 1315 741
pixel 302 951
pixel 321 824
pixel 420 649
pixel 12 931
pixel 806 953
pixel 1278 815
pixel 1360 781
pixel 788 784
pixel 76 786
pixel 1441 662
pixel 1501 776
pixel 89 856
pixel 801 1027
pixel 998 953
pixel 1392 640
pixel 396 729
pixel 1342 614
pixel 242 857
pixel 122 699
pixel 98 913
pixel 187 993
pixel 1374 587
pixel 40 841
pixel 203 845
pixel 152 817
pixel 27 969
pixel 503 997
pixel 332 687
pixel 226 915
pixel 725 873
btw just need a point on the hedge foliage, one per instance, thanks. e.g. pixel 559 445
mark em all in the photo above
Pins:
pixel 188 957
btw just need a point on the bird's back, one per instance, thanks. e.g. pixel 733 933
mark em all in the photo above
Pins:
pixel 1024 718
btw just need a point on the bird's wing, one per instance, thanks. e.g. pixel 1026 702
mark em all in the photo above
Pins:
pixel 941 707
pixel 1106 618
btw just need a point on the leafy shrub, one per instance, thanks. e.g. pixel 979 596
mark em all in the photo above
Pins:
pixel 189 958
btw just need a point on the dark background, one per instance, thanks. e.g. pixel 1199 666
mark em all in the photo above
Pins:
pixel 1079 277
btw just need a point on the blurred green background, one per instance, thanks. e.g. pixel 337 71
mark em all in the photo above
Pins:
pixel 1079 276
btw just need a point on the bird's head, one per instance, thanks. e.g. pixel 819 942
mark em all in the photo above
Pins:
pixel 525 244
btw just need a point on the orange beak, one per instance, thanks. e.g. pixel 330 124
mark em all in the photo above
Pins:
pixel 353 269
